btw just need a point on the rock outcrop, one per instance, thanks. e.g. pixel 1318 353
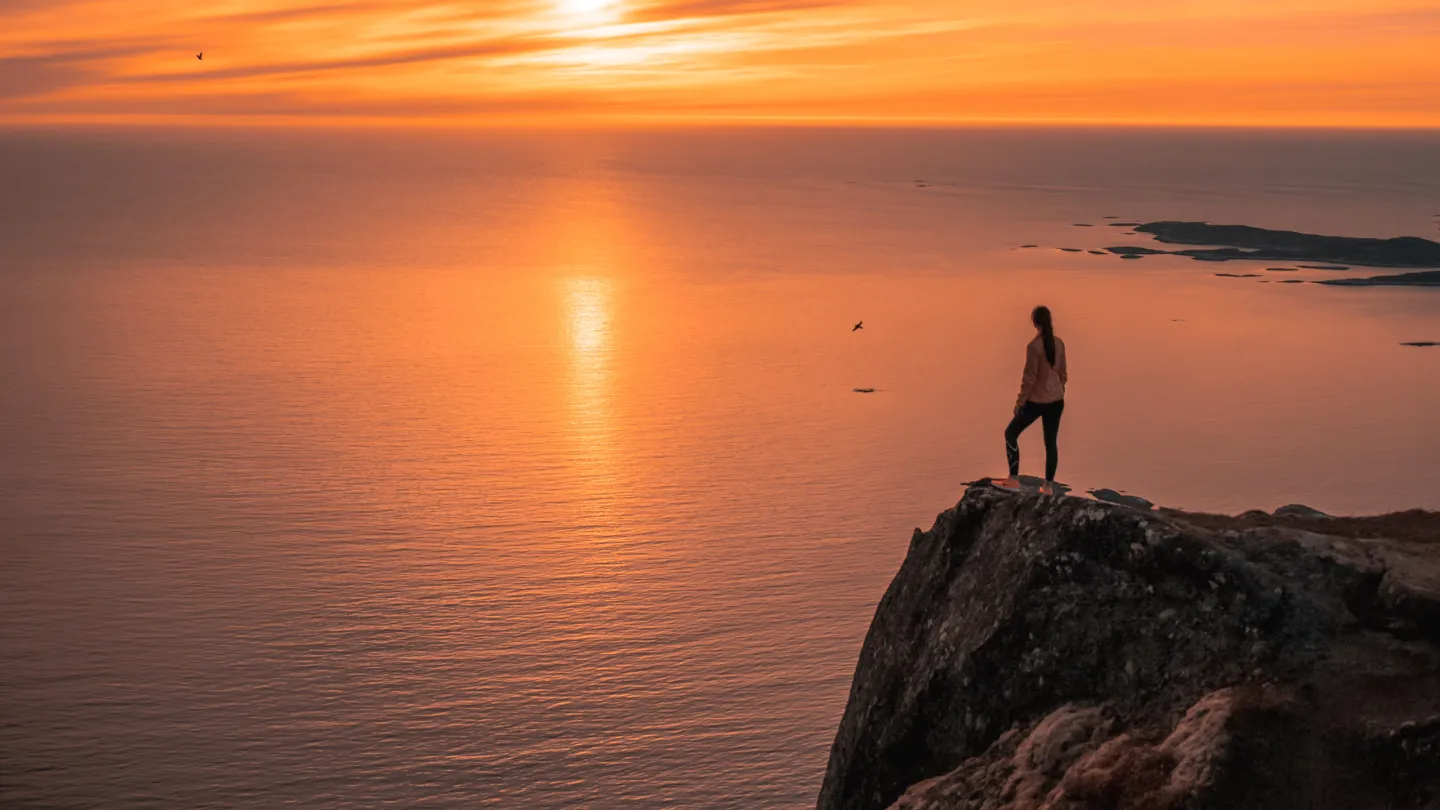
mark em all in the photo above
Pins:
pixel 1246 242
pixel 1424 278
pixel 1055 652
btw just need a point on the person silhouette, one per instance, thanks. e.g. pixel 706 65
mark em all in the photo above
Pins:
pixel 1042 396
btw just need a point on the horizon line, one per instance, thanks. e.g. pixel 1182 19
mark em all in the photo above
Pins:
pixel 467 123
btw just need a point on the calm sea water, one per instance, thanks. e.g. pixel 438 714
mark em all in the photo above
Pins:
pixel 468 470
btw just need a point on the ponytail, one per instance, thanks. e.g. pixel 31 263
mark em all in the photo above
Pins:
pixel 1041 318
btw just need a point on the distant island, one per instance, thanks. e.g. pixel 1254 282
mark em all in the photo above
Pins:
pixel 1424 278
pixel 1242 242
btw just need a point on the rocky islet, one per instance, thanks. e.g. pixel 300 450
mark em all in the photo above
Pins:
pixel 1226 243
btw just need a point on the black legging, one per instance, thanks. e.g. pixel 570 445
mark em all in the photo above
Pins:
pixel 1028 413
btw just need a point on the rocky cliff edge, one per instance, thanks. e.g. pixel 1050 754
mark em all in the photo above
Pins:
pixel 1055 652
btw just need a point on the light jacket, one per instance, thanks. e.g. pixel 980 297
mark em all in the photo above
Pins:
pixel 1043 383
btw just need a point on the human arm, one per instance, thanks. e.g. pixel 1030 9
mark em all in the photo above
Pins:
pixel 1027 380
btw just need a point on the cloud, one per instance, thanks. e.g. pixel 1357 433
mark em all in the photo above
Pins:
pixel 274 15
pixel 882 58
pixel 60 68
pixel 34 75
pixel 689 9
pixel 302 104
pixel 390 58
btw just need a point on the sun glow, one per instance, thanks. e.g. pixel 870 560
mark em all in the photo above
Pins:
pixel 816 61
pixel 588 10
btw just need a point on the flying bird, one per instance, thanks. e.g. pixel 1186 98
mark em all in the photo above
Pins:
pixel 200 56
pixel 860 325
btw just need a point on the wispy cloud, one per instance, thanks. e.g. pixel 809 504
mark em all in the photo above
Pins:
pixel 691 9
pixel 386 58
pixel 298 12
pixel 60 66
pixel 853 59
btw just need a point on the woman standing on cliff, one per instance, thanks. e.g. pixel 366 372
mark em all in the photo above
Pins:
pixel 1042 396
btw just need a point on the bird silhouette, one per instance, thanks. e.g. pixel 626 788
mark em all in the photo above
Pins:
pixel 200 56
pixel 860 325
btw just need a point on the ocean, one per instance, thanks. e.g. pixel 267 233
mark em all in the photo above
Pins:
pixel 465 469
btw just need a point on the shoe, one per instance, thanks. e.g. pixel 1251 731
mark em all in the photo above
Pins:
pixel 1006 483
pixel 1047 488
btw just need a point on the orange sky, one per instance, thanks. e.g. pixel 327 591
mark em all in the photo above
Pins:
pixel 1259 62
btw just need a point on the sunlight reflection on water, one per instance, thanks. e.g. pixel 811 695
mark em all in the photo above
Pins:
pixel 587 306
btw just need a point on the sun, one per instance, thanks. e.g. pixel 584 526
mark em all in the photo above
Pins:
pixel 584 7
pixel 582 17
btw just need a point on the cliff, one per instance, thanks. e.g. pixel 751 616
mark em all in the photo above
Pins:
pixel 1044 652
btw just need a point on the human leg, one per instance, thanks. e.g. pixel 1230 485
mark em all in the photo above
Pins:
pixel 1051 425
pixel 1024 417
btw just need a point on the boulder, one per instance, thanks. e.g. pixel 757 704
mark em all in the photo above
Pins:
pixel 1300 510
